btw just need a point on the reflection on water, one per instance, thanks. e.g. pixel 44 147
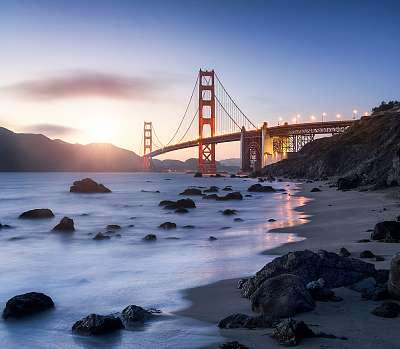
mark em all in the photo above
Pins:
pixel 85 276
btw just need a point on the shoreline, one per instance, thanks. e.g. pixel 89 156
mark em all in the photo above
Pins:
pixel 335 219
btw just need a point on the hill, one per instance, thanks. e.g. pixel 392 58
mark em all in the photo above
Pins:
pixel 35 152
pixel 369 149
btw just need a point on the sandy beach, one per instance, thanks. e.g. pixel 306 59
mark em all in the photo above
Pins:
pixel 335 219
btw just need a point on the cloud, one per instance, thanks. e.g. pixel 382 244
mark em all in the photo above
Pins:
pixel 52 130
pixel 78 84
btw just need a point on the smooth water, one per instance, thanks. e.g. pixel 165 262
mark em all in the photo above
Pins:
pixel 84 276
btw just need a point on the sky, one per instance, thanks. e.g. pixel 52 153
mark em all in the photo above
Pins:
pixel 93 71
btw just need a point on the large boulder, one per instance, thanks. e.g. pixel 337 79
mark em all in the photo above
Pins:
pixel 27 304
pixel 337 271
pixel 93 325
pixel 37 213
pixel 261 188
pixel 185 203
pixel 88 185
pixel 387 310
pixel 66 225
pixel 394 277
pixel 349 182
pixel 133 315
pixel 282 296
pixel 388 231
pixel 289 332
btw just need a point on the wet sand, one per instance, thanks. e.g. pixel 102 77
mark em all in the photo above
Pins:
pixel 336 219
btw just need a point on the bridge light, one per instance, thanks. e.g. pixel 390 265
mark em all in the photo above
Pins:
pixel 294 120
pixel 312 117
pixel 355 111
pixel 280 120
pixel 338 116
pixel 323 116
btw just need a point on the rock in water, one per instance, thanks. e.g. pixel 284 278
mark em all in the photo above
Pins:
pixel 343 252
pixel 181 210
pixel 37 213
pixel 27 304
pixel 315 190
pixel 88 185
pixel 212 189
pixel 198 174
pixel 282 296
pixel 168 225
pixel 261 188
pixel 233 345
pixel 93 325
pixel 387 310
pixel 66 225
pixel 150 237
pixel 389 231
pixel 229 212
pixel 337 271
pixel 100 236
pixel 290 332
pixel 185 203
pixel 366 254
pixel 191 191
pixel 133 314
pixel 394 277
pixel 113 227
pixel 230 196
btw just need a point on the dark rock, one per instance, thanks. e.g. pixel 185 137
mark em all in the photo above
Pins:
pixel 225 228
pixel 394 277
pixel 233 344
pixel 5 226
pixel 233 175
pixel 227 189
pixel 134 314
pixel 93 325
pixel 212 238
pixel 349 182
pixel 245 321
pixel 271 220
pixel 389 231
pixel 261 188
pixel 282 296
pixel 185 203
pixel 181 210
pixel 229 212
pixel 150 237
pixel 211 197
pixel 88 185
pixel 248 195
pixel 27 304
pixel 241 282
pixel 238 220
pixel 387 310
pixel 366 254
pixel 337 271
pixel 66 225
pixel 191 191
pixel 364 240
pixel 212 189
pixel 188 226
pixel 150 191
pixel 101 236
pixel 230 196
pixel 167 225
pixel 343 252
pixel 113 227
pixel 37 213
pixel 378 293
pixel 314 190
pixel 167 203
pixel 319 292
pixel 198 174
pixel 289 332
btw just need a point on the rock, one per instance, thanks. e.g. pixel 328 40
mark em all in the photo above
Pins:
pixel 212 238
pixel 233 175
pixel 167 203
pixel 229 212
pixel 343 252
pixel 66 225
pixel 134 314
pixel 248 195
pixel 167 225
pixel 230 196
pixel 211 197
pixel 27 304
pixel 93 325
pixel 181 210
pixel 188 226
pixel 198 174
pixel 261 188
pixel 227 188
pixel 389 231
pixel 37 213
pixel 394 277
pixel 191 191
pixel 241 282
pixel 349 182
pixel 289 332
pixel 282 296
pixel 366 254
pixel 212 189
pixel 337 271
pixel 233 344
pixel 319 292
pixel 315 190
pixel 113 227
pixel 365 285
pixel 271 220
pixel 387 310
pixel 364 240
pixel 238 220
pixel 101 236
pixel 378 293
pixel 88 185
pixel 245 321
pixel 5 226
pixel 150 237
pixel 185 203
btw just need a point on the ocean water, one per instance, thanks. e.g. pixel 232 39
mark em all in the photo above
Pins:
pixel 84 276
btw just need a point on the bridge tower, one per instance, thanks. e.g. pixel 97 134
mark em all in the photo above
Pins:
pixel 206 162
pixel 147 144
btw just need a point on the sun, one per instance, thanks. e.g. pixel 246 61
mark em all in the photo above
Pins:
pixel 101 131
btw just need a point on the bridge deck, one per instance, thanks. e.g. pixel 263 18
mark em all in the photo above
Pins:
pixel 328 127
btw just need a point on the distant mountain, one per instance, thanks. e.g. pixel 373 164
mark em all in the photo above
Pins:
pixel 35 152
pixel 235 162
pixel 189 165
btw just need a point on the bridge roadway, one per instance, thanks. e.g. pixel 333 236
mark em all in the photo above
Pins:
pixel 326 127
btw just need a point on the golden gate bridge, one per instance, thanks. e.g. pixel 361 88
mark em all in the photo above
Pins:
pixel 212 116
